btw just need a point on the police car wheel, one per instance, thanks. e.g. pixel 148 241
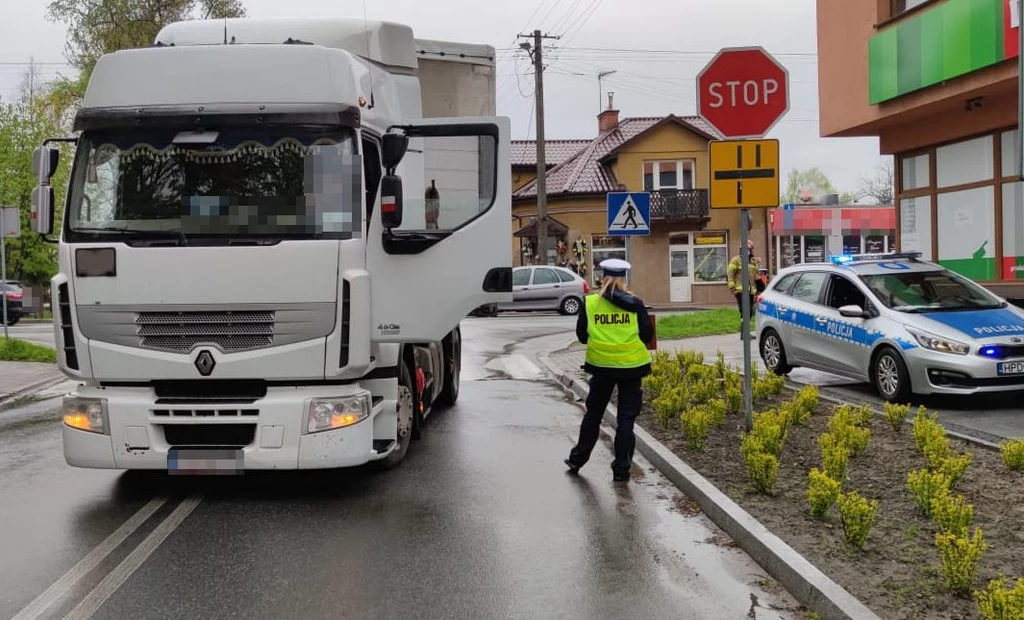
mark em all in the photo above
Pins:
pixel 773 354
pixel 570 306
pixel 890 376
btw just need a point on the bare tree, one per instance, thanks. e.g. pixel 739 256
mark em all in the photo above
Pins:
pixel 879 185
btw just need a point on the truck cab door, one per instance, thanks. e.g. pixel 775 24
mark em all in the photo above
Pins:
pixel 452 250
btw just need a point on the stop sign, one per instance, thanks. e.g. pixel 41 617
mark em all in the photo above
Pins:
pixel 742 92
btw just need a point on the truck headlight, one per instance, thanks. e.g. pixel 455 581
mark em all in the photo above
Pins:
pixel 86 414
pixel 325 414
pixel 937 343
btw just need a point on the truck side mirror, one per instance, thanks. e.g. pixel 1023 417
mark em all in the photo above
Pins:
pixel 394 149
pixel 391 201
pixel 44 163
pixel 42 209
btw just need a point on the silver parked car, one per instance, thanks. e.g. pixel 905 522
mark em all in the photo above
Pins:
pixel 905 325
pixel 546 288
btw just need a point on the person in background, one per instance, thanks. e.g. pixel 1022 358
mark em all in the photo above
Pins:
pixel 616 328
pixel 749 284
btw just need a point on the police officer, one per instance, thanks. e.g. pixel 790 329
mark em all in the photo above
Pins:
pixel 616 328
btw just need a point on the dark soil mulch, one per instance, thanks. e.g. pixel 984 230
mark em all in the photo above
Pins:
pixel 898 574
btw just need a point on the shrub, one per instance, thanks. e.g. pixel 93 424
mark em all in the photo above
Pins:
pixel 843 426
pixel 720 366
pixel 954 467
pixel 953 514
pixel 822 492
pixel 936 448
pixel 734 399
pixel 997 602
pixel 925 486
pixel 717 407
pixel 763 468
pixel 1013 453
pixel 925 426
pixel 771 429
pixel 897 415
pixel 807 399
pixel 767 386
pixel 863 415
pixel 960 557
pixel 697 421
pixel 858 515
pixel 688 359
pixel 834 456
pixel 668 405
pixel 702 390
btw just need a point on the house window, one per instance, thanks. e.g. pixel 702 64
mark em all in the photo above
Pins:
pixel 603 248
pixel 710 257
pixel 669 174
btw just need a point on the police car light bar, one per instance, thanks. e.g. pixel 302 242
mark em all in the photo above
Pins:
pixel 846 259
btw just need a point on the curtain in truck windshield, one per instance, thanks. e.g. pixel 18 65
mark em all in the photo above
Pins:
pixel 240 183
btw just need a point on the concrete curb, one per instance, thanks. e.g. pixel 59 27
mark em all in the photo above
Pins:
pixel 31 389
pixel 802 579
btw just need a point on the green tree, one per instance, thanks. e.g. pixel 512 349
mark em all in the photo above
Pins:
pixel 811 185
pixel 23 127
pixel 98 27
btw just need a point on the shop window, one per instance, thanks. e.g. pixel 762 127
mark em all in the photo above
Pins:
pixel 916 226
pixel 964 162
pixel 668 174
pixel 851 244
pixel 915 172
pixel 902 6
pixel 1010 154
pixel 790 251
pixel 874 244
pixel 814 249
pixel 603 248
pixel 1013 231
pixel 710 257
pixel 966 224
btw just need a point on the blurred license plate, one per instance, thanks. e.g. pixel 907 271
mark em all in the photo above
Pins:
pixel 1010 368
pixel 206 462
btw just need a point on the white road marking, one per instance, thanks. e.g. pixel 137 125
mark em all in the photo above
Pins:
pixel 116 578
pixel 520 367
pixel 64 585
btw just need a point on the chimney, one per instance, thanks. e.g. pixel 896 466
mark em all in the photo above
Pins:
pixel 608 119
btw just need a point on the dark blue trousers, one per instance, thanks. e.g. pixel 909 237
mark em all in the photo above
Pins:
pixel 630 404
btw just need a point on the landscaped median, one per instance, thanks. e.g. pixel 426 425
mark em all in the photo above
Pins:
pixel 912 523
pixel 13 350
pixel 699 323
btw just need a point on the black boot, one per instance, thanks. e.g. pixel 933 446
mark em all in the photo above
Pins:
pixel 573 467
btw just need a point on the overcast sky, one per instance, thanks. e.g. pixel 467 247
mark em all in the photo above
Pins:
pixel 647 81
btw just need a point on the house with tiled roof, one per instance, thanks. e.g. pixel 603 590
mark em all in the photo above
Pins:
pixel 684 259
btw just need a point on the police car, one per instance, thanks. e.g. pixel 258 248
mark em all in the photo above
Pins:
pixel 905 325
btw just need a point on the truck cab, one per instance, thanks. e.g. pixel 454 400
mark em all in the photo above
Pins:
pixel 300 152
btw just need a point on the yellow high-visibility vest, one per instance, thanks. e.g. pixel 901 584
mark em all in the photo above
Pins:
pixel 613 337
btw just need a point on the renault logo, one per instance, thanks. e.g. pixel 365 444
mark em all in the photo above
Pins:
pixel 205 363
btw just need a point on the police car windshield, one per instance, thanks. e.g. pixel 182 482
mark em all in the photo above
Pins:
pixel 929 291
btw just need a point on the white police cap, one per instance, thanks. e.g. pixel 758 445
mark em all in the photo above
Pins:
pixel 614 267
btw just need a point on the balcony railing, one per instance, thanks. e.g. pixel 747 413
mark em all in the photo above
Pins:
pixel 681 205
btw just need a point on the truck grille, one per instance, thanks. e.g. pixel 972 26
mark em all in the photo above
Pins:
pixel 182 331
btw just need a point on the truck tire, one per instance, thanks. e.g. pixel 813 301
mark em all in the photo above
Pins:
pixel 406 413
pixel 452 369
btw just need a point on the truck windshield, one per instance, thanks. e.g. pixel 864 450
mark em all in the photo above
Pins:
pixel 929 291
pixel 179 186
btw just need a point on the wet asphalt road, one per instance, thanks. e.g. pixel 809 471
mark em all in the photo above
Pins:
pixel 480 521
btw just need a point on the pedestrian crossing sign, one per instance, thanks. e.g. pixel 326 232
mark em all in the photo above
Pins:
pixel 629 214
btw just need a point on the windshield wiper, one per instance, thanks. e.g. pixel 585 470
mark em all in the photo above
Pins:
pixel 135 232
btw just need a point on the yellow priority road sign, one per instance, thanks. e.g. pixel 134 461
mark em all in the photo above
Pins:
pixel 744 174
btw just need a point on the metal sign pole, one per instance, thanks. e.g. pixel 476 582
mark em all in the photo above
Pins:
pixel 748 404
pixel 3 272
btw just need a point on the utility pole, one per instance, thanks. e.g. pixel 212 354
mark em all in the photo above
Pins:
pixel 542 188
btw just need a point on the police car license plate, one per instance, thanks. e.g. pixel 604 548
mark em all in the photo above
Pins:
pixel 204 462
pixel 1010 368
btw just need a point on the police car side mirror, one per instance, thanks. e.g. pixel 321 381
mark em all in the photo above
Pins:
pixel 853 312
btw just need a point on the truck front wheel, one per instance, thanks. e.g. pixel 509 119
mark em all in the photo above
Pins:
pixel 406 405
pixel 452 369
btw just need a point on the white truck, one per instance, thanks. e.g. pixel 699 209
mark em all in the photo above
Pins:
pixel 271 233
